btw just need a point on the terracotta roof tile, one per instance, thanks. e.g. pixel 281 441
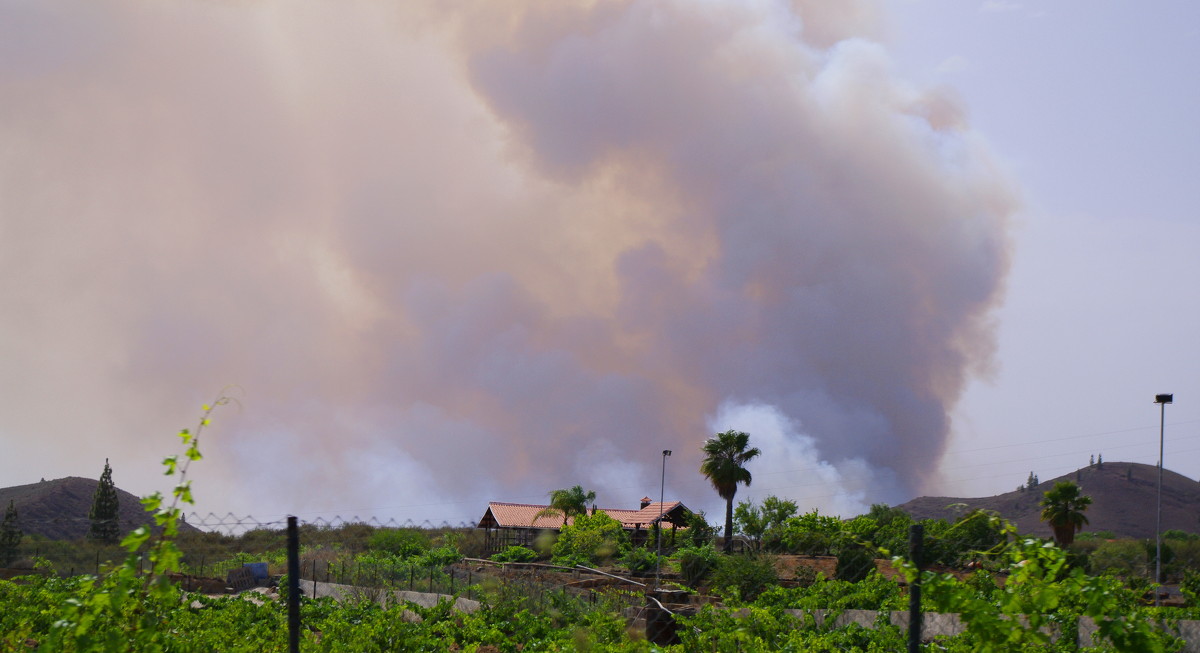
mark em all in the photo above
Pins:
pixel 524 515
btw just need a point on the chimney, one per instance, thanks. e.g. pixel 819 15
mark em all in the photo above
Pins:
pixel 645 502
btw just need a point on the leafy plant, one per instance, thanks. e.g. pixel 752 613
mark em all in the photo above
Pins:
pixel 124 608
pixel 402 542
pixel 1063 507
pixel 854 562
pixel 744 576
pixel 696 563
pixel 1041 595
pixel 726 455
pixel 516 554
pixel 1190 588
pixel 570 502
pixel 641 560
pixel 590 539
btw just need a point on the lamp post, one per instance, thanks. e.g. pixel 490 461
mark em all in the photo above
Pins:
pixel 1162 400
pixel 662 494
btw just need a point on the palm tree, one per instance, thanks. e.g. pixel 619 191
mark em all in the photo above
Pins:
pixel 573 501
pixel 726 455
pixel 1062 508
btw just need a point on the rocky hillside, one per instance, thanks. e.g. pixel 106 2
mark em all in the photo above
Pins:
pixel 58 509
pixel 1123 496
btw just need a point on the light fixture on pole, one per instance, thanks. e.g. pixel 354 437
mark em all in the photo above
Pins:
pixel 662 494
pixel 1162 400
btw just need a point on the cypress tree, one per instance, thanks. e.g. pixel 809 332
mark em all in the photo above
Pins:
pixel 105 505
pixel 10 536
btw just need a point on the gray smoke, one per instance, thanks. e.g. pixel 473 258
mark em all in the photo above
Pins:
pixel 454 253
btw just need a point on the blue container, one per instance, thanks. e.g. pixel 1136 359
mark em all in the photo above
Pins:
pixel 259 569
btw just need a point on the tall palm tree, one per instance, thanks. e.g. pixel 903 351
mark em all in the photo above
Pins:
pixel 726 454
pixel 570 502
pixel 1062 508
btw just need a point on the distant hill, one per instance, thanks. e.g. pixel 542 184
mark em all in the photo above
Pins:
pixel 58 509
pixel 1124 497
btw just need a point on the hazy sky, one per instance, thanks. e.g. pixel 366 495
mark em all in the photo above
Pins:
pixel 447 253
pixel 1092 107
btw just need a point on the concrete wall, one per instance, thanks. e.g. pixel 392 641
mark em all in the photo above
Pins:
pixel 934 624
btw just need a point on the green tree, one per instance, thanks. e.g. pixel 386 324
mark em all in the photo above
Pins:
pixel 105 505
pixel 1062 508
pixel 764 524
pixel 590 539
pixel 572 502
pixel 750 522
pixel 10 536
pixel 726 455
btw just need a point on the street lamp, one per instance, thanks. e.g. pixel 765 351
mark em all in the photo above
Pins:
pixel 1162 400
pixel 662 496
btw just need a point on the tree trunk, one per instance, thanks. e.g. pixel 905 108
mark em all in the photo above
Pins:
pixel 1064 535
pixel 729 525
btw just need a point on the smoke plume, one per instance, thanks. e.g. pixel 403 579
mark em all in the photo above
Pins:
pixel 471 251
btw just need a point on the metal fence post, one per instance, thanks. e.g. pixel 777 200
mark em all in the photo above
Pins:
pixel 916 534
pixel 293 558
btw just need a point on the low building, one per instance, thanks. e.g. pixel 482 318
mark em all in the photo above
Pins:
pixel 511 524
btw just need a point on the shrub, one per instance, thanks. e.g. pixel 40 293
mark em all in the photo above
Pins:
pixel 854 563
pixel 590 539
pixel 641 560
pixel 1190 588
pixel 699 531
pixel 401 542
pixel 696 563
pixel 744 576
pixel 516 554
pixel 439 557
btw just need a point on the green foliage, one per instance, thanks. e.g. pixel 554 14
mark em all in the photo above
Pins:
pixel 1190 588
pixel 748 520
pixel 591 539
pixel 744 576
pixel 516 554
pixel 641 560
pixel 699 531
pixel 1121 558
pixel 1062 508
pixel 769 629
pixel 1182 536
pixel 106 505
pixel 884 514
pixel 764 524
pixel 873 592
pixel 811 533
pixel 571 502
pixel 124 609
pixel 401 542
pixel 724 465
pixel 10 536
pixel 439 556
pixel 854 563
pixel 696 563
pixel 1042 593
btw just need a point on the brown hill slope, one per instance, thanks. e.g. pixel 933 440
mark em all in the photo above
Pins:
pixel 1123 496
pixel 58 509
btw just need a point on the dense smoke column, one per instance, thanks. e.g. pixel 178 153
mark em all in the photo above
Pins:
pixel 461 252
pixel 835 240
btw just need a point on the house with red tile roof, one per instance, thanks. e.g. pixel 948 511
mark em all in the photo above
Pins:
pixel 508 524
